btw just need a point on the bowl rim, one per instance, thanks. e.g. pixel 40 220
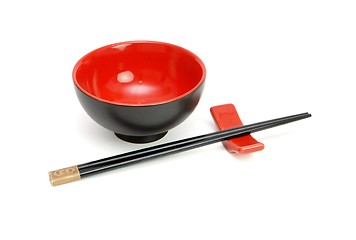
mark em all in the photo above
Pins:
pixel 79 62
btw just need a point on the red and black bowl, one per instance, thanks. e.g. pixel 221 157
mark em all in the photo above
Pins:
pixel 139 89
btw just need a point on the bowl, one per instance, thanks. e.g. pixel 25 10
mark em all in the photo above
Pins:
pixel 139 89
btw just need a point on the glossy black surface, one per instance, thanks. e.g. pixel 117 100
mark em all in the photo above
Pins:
pixel 135 123
pixel 110 163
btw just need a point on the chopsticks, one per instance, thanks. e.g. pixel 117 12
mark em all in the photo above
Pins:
pixel 77 172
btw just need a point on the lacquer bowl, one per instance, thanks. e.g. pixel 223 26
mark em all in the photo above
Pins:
pixel 139 89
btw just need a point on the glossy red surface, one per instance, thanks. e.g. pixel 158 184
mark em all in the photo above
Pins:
pixel 139 73
pixel 225 117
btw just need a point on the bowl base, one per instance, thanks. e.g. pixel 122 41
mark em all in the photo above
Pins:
pixel 141 139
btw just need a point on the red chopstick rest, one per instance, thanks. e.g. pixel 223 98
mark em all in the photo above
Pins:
pixel 225 117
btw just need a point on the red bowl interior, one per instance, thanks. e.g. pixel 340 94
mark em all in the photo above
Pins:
pixel 139 73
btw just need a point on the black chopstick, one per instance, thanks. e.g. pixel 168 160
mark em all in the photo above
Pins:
pixel 87 169
pixel 202 139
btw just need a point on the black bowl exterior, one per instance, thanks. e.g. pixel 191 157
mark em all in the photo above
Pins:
pixel 140 120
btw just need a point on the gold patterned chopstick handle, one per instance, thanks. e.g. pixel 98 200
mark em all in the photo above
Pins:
pixel 64 175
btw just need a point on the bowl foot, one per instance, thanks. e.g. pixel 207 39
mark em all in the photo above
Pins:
pixel 141 139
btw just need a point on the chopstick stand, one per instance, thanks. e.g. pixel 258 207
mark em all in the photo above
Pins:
pixel 77 172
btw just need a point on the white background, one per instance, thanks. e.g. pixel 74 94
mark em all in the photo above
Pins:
pixel 269 58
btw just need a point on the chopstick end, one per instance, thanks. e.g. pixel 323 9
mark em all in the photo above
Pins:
pixel 64 175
